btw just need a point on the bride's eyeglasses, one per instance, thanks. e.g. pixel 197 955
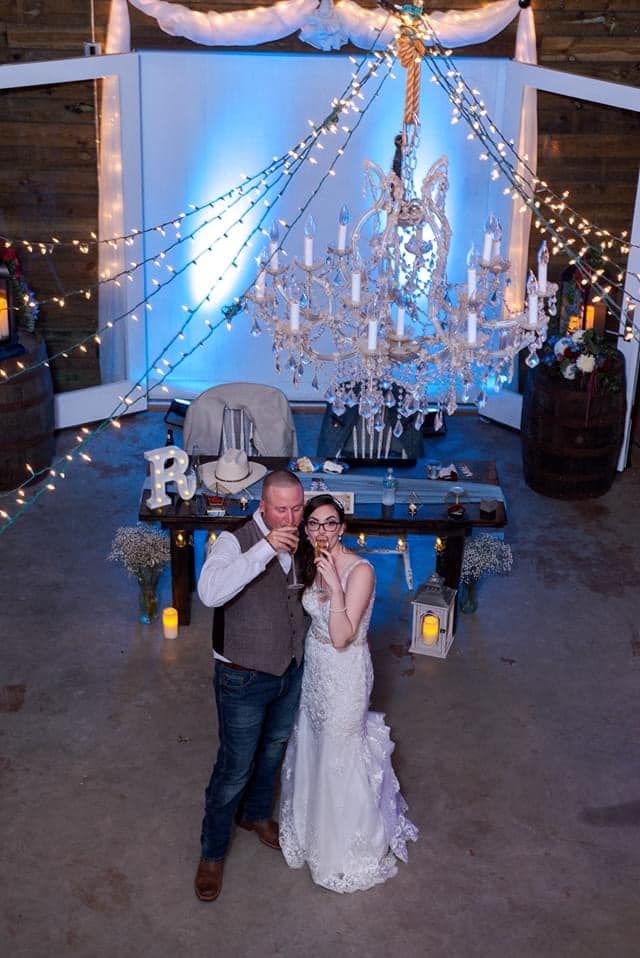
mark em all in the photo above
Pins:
pixel 329 525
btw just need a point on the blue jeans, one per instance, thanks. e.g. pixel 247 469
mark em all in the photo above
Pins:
pixel 256 712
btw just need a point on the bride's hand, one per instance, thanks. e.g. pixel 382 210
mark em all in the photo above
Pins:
pixel 327 569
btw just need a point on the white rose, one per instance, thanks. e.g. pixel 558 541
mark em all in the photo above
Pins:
pixel 562 344
pixel 577 336
pixel 569 372
pixel 586 363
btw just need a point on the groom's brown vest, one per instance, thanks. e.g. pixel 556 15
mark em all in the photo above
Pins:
pixel 263 627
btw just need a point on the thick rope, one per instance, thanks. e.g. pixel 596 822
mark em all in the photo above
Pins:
pixel 410 53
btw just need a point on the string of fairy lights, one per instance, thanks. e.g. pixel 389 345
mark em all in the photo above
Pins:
pixel 294 160
pixel 563 225
pixel 562 217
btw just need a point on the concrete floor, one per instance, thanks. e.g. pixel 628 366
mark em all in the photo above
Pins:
pixel 518 755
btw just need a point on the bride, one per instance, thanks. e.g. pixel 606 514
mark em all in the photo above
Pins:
pixel 341 810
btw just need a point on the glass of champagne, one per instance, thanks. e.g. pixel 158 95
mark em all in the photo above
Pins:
pixel 295 585
pixel 321 586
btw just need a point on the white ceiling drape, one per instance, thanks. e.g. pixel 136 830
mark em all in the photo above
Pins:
pixel 325 24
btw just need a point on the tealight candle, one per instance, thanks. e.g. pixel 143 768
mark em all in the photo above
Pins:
pixel 170 623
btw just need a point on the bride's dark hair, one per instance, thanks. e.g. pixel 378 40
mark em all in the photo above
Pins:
pixel 306 552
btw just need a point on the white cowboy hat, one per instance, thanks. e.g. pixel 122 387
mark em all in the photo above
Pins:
pixel 232 471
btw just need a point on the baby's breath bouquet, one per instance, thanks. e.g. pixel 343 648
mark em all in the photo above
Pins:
pixel 485 555
pixel 144 552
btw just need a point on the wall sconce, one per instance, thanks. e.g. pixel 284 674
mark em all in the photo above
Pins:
pixel 433 611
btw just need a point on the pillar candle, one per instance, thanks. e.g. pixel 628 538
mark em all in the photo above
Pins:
pixel 430 629
pixel 170 623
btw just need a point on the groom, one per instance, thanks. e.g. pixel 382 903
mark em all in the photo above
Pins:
pixel 258 632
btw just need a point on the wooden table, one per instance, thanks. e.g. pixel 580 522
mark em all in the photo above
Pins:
pixel 182 518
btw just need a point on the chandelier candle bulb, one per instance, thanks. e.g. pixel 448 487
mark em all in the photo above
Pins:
pixel 532 292
pixel 487 245
pixel 355 286
pixel 497 242
pixel 274 241
pixel 472 327
pixel 543 265
pixel 372 338
pixel 170 623
pixel 294 316
pixel 309 233
pixel 472 262
pixel 343 221
pixel 400 321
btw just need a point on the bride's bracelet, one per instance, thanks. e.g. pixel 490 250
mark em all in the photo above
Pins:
pixel 343 609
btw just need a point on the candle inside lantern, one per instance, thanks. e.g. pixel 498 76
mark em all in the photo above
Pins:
pixel 4 315
pixel 413 508
pixel 170 623
pixel 244 502
pixel 430 628
pixel 362 539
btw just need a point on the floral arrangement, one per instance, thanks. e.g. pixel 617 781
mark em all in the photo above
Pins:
pixel 141 550
pixel 23 299
pixel 585 357
pixel 485 555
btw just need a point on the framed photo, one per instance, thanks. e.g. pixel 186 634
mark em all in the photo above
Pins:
pixel 346 499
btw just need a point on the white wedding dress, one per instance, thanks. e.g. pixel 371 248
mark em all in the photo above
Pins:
pixel 341 810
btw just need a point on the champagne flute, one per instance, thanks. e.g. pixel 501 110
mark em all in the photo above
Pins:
pixel 295 584
pixel 321 586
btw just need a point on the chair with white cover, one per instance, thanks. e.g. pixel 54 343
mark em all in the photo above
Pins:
pixel 247 416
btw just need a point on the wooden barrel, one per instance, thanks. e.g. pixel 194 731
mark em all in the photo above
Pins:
pixel 26 415
pixel 570 439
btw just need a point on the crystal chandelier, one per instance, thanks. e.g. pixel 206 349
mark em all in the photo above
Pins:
pixel 377 314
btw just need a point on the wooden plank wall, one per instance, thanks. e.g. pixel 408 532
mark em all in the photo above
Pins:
pixel 48 182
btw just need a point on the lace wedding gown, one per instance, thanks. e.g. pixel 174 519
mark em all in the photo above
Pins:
pixel 341 809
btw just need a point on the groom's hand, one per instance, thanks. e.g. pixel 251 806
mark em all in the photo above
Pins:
pixel 284 539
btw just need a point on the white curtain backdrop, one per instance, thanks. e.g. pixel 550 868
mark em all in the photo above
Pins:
pixel 327 25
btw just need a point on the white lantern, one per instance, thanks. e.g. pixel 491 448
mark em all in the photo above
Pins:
pixel 433 612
